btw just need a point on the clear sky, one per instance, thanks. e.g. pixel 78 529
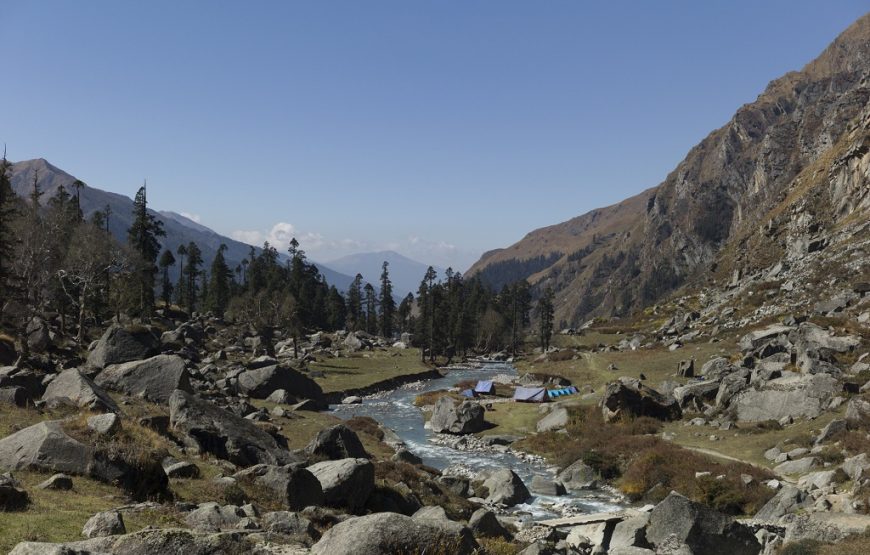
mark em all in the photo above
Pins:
pixel 440 129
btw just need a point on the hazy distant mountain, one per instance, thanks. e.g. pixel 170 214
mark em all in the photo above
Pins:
pixel 179 229
pixel 405 273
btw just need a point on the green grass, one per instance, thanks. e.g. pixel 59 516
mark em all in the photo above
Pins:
pixel 513 418
pixel 749 445
pixel 366 368
pixel 58 516
pixel 656 364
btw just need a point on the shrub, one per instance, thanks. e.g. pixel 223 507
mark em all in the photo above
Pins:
pixel 365 425
pixel 802 547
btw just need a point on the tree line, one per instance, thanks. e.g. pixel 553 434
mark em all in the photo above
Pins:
pixel 53 260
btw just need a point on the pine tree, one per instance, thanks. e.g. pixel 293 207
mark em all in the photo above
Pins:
pixel 192 272
pixel 336 310
pixel 180 297
pixel 388 304
pixel 404 313
pixel 426 322
pixel 545 317
pixel 219 285
pixel 142 237
pixel 166 261
pixel 371 317
pixel 354 302
pixel 7 214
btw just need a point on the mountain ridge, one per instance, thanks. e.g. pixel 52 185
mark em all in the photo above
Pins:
pixel 179 229
pixel 746 174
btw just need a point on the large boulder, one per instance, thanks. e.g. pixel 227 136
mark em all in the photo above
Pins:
pixel 213 517
pixel 857 411
pixel 154 379
pixel 38 335
pixel 165 541
pixel 8 355
pixel 337 442
pixel 695 394
pixel 46 447
pixel 578 476
pixel 122 344
pixel 795 396
pixel 700 528
pixel 757 338
pixel 74 387
pixel 346 482
pixel 466 418
pixel 505 487
pixel 12 497
pixel 107 523
pixel 556 419
pixel 259 383
pixel 294 485
pixel 787 500
pixel 484 524
pixel 630 397
pixel 211 429
pixel 388 534
pixel 716 368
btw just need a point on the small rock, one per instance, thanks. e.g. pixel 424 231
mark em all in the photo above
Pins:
pixel 108 523
pixel 58 482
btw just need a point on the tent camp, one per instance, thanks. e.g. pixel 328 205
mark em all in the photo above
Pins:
pixel 468 393
pixel 530 394
pixel 571 390
pixel 487 387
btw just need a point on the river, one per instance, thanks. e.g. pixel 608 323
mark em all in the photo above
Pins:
pixel 396 410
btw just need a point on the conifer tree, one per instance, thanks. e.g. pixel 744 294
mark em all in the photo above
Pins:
pixel 7 214
pixel 142 237
pixel 404 313
pixel 371 316
pixel 388 304
pixel 166 261
pixel 219 286
pixel 354 302
pixel 179 289
pixel 545 317
pixel 192 272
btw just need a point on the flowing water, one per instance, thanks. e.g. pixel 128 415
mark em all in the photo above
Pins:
pixel 395 409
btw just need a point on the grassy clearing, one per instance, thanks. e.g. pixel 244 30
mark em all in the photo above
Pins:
pixel 513 418
pixel 749 443
pixel 365 368
pixel 656 364
pixel 58 516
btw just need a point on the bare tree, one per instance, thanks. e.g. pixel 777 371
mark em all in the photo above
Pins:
pixel 91 258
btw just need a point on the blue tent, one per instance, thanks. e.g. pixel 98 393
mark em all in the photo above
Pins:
pixel 485 386
pixel 468 393
pixel 530 394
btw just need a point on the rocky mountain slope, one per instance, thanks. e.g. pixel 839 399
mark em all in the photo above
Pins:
pixel 179 230
pixel 787 176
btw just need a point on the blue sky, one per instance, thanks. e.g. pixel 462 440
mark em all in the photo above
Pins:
pixel 437 129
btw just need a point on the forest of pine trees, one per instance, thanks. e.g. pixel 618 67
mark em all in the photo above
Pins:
pixel 53 260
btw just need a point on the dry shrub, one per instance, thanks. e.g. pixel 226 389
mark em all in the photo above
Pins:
pixel 424 487
pixel 430 397
pixel 136 451
pixel 365 425
pixel 498 546
pixel 562 356
pixel 645 467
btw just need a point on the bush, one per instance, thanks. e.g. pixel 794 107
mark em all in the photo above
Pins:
pixel 645 467
pixel 802 547
pixel 365 425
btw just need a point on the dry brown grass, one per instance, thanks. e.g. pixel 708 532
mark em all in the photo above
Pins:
pixel 645 467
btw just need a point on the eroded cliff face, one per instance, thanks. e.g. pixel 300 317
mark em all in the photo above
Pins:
pixel 770 185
